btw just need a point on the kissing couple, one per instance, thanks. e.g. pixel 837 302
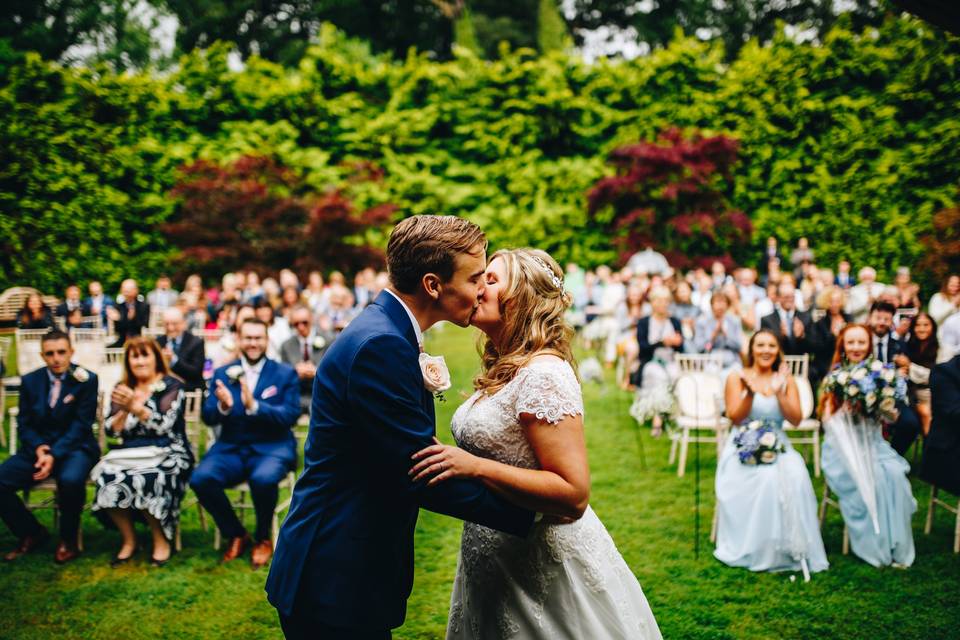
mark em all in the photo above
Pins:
pixel 535 561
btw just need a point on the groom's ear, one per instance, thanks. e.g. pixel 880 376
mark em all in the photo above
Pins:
pixel 431 285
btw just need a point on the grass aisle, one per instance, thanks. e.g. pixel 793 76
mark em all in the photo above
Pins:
pixel 649 514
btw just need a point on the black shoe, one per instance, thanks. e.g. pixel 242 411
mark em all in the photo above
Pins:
pixel 162 563
pixel 117 560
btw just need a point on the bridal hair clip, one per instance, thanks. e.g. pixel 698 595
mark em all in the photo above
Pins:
pixel 557 282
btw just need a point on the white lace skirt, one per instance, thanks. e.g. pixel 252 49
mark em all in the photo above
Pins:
pixel 562 581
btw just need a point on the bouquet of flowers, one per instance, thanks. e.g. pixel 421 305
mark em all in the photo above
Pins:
pixel 869 388
pixel 757 442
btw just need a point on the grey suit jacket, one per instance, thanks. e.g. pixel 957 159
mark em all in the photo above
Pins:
pixel 291 353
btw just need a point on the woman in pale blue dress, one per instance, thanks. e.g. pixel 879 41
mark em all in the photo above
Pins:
pixel 767 513
pixel 867 475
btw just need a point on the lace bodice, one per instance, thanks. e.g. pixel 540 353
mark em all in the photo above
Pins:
pixel 489 426
pixel 519 587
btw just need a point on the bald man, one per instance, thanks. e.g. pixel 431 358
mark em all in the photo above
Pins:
pixel 131 314
pixel 182 350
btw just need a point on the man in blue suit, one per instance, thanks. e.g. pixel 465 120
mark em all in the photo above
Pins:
pixel 256 401
pixel 344 563
pixel 58 407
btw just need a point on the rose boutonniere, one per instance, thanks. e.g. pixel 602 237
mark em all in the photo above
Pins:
pixel 436 376
pixel 319 342
pixel 80 374
pixel 234 373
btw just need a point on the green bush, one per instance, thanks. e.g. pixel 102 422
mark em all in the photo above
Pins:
pixel 850 142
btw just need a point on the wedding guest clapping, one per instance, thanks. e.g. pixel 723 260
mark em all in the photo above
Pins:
pixel 145 475
pixel 131 313
pixel 720 333
pixel 920 356
pixel 824 332
pixel 183 351
pixel 660 338
pixel 946 302
pixel 34 314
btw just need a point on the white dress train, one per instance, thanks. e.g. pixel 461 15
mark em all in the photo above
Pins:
pixel 562 581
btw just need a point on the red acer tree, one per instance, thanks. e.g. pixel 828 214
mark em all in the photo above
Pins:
pixel 942 256
pixel 671 195
pixel 254 213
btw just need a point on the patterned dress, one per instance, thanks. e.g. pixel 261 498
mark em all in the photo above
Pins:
pixel 561 581
pixel 159 487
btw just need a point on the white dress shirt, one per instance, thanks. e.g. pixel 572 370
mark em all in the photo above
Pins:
pixel 413 318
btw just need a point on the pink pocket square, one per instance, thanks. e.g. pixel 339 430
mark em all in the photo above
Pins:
pixel 269 392
pixel 68 399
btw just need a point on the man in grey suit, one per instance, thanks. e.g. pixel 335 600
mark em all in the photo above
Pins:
pixel 303 351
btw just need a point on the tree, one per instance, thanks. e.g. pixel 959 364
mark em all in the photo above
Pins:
pixel 672 195
pixel 250 214
pixel 942 256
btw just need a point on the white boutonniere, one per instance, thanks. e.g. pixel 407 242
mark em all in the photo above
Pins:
pixel 436 376
pixel 234 373
pixel 319 342
pixel 80 374
pixel 158 386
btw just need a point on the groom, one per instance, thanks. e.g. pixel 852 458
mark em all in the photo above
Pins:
pixel 344 561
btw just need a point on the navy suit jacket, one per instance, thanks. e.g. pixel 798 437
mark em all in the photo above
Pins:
pixel 68 426
pixel 346 546
pixel 268 432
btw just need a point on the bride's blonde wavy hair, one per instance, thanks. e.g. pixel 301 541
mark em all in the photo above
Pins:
pixel 532 306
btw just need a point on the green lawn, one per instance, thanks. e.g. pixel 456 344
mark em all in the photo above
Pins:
pixel 650 514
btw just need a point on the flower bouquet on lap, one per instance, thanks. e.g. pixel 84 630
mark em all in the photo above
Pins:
pixel 758 442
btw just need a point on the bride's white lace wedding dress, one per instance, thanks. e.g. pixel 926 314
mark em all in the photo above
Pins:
pixel 562 581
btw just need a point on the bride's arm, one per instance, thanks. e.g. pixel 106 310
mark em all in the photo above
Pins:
pixel 561 487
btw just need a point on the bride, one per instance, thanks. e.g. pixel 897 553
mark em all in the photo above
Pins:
pixel 521 433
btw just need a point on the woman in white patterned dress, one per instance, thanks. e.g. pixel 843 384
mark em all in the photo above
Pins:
pixel 521 433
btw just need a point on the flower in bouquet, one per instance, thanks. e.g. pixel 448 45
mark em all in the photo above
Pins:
pixel 869 388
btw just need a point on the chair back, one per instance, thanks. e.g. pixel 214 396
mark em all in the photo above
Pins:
pixel 13 299
pixel 5 342
pixel 807 404
pixel 193 401
pixel 100 426
pixel 799 365
pixel 88 347
pixel 698 395
pixel 699 362
pixel 28 349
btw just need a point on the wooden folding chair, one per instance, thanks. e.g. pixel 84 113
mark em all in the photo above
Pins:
pixel 935 501
pixel 808 431
pixel 698 417
pixel 828 501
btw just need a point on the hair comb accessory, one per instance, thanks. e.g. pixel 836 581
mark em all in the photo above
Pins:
pixel 557 282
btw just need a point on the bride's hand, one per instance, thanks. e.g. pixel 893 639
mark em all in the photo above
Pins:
pixel 444 462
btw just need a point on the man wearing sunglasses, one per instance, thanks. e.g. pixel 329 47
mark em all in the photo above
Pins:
pixel 303 351
pixel 58 406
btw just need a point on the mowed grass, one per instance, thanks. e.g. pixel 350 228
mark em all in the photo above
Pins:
pixel 649 512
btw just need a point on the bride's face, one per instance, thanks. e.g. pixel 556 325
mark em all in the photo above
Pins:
pixel 487 317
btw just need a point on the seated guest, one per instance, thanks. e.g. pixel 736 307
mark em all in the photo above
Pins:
pixel 183 351
pixel 950 335
pixel 886 348
pixel 289 298
pixel 624 339
pixel 278 330
pixel 791 327
pixel 303 351
pixel 941 452
pixel 71 302
pixel 684 310
pixel 163 296
pixel 946 302
pixel 863 295
pixel 145 476
pixel 131 313
pixel 659 337
pixel 823 335
pixel 720 333
pixel 34 314
pixel 844 278
pixel 58 406
pixel 75 320
pixel 98 303
pixel 919 357
pixel 256 401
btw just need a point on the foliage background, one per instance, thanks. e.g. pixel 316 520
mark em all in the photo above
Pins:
pixel 851 142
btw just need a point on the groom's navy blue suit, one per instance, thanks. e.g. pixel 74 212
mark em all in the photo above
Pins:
pixel 344 559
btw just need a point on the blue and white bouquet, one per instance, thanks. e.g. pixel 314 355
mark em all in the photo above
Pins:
pixel 868 388
pixel 758 442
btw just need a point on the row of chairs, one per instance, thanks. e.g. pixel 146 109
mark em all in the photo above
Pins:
pixel 201 439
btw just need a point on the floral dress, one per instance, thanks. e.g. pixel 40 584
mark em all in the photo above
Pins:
pixel 149 469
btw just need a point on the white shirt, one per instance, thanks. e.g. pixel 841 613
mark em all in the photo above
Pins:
pixel 950 336
pixel 413 318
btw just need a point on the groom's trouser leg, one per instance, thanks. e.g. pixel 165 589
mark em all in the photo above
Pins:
pixel 265 473
pixel 216 472
pixel 304 627
pixel 16 473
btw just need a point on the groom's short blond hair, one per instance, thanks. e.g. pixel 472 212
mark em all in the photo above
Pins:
pixel 429 244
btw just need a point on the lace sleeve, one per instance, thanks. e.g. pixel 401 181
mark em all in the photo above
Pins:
pixel 548 390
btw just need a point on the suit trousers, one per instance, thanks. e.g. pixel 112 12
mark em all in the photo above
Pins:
pixel 220 470
pixel 302 624
pixel 70 473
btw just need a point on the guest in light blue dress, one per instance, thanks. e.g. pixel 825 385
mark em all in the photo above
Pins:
pixel 888 540
pixel 767 513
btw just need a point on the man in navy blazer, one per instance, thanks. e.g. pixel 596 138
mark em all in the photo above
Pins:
pixel 58 407
pixel 941 451
pixel 256 402
pixel 344 563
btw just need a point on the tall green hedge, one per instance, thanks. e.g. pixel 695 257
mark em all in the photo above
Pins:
pixel 851 142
